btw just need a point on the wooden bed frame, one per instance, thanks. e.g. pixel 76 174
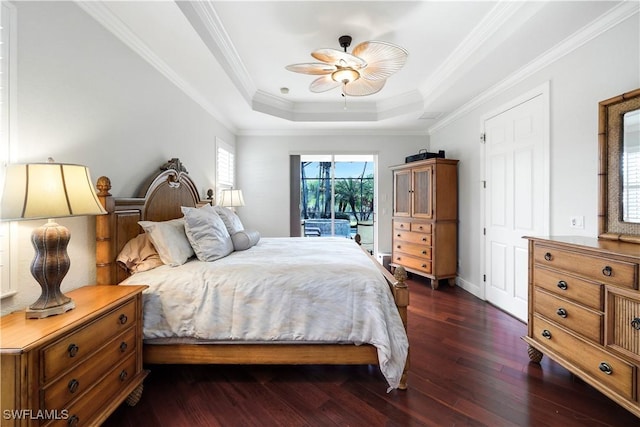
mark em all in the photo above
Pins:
pixel 160 199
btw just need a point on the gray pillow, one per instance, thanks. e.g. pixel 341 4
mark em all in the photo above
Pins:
pixel 207 233
pixel 230 218
pixel 243 240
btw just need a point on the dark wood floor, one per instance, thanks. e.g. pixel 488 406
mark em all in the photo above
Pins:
pixel 468 367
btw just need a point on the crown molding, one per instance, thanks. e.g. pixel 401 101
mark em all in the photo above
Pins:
pixel 330 132
pixel 605 22
pixel 103 15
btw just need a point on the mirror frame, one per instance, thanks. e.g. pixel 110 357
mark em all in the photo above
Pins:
pixel 610 112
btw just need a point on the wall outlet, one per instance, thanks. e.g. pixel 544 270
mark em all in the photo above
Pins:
pixel 577 222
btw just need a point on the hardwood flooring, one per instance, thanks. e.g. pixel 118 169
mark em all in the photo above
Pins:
pixel 469 367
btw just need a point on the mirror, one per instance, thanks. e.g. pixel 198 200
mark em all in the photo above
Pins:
pixel 619 168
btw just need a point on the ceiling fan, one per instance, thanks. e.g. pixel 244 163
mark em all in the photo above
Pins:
pixel 362 72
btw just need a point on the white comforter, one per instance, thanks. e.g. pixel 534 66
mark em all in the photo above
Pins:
pixel 282 289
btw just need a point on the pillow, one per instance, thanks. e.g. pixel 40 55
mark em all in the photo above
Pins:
pixel 230 218
pixel 244 239
pixel 139 254
pixel 207 233
pixel 170 240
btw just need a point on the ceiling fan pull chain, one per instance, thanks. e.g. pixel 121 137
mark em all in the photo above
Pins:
pixel 344 94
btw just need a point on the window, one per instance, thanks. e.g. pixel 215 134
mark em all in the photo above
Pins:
pixel 225 165
pixel 8 284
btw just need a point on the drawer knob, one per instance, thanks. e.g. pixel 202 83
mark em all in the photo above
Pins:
pixel 424 265
pixel 73 385
pixel 546 334
pixel 562 312
pixel 123 347
pixel 548 256
pixel 401 225
pixel 72 350
pixel 398 235
pixel 607 271
pixel 123 375
pixel 635 323
pixel 606 368
pixel 424 239
pixel 562 285
pixel 123 319
pixel 73 421
pixel 398 247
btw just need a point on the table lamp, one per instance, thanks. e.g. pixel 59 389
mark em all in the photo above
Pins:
pixel 46 191
pixel 231 198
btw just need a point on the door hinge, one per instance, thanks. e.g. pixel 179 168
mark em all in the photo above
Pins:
pixel 484 184
pixel 483 138
pixel 484 277
pixel 484 231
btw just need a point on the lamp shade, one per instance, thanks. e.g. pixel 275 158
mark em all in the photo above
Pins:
pixel 231 198
pixel 48 190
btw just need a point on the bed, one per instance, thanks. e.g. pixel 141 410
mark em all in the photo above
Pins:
pixel 328 269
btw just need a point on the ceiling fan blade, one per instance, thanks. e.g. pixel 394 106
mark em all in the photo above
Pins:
pixel 314 68
pixel 362 87
pixel 339 58
pixel 323 84
pixel 383 59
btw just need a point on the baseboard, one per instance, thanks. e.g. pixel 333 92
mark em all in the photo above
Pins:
pixel 473 289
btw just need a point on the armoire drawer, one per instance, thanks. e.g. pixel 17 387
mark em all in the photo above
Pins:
pixel 69 350
pixel 570 287
pixel 597 363
pixel 412 237
pixel 417 250
pixel 582 320
pixel 401 225
pixel 409 261
pixel 599 269
pixel 421 227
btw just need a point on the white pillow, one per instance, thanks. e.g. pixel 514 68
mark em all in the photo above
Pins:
pixel 170 240
pixel 244 239
pixel 231 220
pixel 207 233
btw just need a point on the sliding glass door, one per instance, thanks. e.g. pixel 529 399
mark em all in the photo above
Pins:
pixel 337 196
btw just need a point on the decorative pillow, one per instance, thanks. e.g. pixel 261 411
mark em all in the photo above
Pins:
pixel 139 254
pixel 230 218
pixel 207 233
pixel 243 240
pixel 170 240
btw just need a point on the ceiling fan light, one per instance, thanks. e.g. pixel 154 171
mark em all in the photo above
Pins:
pixel 345 75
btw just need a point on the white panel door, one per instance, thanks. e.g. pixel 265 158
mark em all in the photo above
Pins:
pixel 515 146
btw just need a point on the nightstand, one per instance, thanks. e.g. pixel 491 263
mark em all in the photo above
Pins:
pixel 76 368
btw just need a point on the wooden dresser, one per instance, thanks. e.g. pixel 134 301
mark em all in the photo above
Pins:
pixel 76 368
pixel 425 218
pixel 584 311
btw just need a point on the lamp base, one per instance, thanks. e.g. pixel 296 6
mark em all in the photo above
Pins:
pixel 51 311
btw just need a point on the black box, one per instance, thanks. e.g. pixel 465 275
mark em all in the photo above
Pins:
pixel 423 155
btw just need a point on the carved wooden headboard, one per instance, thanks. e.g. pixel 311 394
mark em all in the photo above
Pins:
pixel 159 199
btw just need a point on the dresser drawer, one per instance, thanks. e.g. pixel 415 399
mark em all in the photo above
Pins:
pixel 412 237
pixel 412 262
pixel 401 225
pixel 84 409
pixel 623 322
pixel 602 270
pixel 571 287
pixel 605 368
pixel 71 349
pixel 420 251
pixel 421 227
pixel 579 319
pixel 78 380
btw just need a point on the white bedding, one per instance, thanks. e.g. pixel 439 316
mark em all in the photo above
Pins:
pixel 282 289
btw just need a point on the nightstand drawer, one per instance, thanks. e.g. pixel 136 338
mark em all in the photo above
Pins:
pixel 71 349
pixel 599 269
pixel 607 369
pixel 85 375
pixel 571 287
pixel 583 321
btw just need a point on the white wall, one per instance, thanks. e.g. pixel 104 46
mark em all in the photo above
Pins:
pixel 605 67
pixel 84 97
pixel 263 174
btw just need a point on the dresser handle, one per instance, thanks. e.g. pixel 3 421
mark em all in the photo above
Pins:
pixel 635 323
pixel 123 347
pixel 546 334
pixel 607 271
pixel 123 375
pixel 424 252
pixel 398 247
pixel 562 312
pixel 73 421
pixel 401 225
pixel 606 368
pixel 548 256
pixel 123 319
pixel 73 350
pixel 73 385
pixel 424 239
pixel 424 265
pixel 398 235
pixel 562 285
